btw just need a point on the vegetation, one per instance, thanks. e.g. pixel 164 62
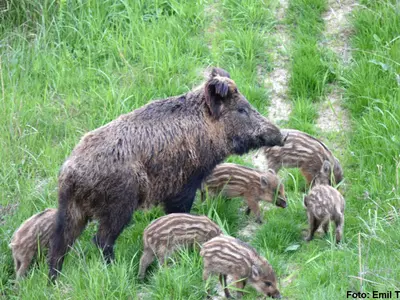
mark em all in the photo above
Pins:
pixel 67 67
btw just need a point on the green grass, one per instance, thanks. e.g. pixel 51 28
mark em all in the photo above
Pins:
pixel 68 67
pixel 311 65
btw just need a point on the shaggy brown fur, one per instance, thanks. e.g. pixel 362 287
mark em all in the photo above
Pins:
pixel 33 232
pixel 303 151
pixel 324 203
pixel 225 255
pixel 253 185
pixel 159 153
pixel 169 232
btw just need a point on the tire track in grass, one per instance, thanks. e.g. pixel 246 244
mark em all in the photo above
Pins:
pixel 211 10
pixel 332 117
pixel 276 81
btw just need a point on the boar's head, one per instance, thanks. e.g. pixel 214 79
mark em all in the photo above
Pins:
pixel 245 127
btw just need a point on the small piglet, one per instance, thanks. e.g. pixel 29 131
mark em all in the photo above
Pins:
pixel 225 255
pixel 302 151
pixel 253 185
pixel 324 203
pixel 25 240
pixel 167 233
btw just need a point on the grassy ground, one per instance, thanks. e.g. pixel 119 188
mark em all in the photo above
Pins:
pixel 68 67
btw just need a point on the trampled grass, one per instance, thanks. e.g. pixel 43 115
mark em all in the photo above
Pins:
pixel 68 67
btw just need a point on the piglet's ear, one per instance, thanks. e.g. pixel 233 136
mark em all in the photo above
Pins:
pixel 263 182
pixel 326 167
pixel 255 272
pixel 216 90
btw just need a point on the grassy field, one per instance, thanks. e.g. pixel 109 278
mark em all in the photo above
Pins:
pixel 67 67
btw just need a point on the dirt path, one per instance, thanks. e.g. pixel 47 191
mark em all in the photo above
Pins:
pixel 332 116
pixel 277 80
pixel 211 10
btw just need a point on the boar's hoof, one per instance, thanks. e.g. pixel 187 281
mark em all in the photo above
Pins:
pixel 308 238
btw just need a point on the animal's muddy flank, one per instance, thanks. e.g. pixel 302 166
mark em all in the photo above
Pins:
pixel 332 117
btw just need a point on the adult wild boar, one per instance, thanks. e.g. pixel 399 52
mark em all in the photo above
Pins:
pixel 157 154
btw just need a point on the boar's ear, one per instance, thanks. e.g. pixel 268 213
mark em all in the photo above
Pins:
pixel 255 272
pixel 219 72
pixel 215 90
pixel 264 182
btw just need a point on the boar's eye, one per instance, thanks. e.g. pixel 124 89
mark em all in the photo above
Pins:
pixel 268 283
pixel 242 110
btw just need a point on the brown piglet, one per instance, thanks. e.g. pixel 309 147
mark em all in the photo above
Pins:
pixel 225 255
pixel 302 151
pixel 253 185
pixel 324 204
pixel 25 240
pixel 169 232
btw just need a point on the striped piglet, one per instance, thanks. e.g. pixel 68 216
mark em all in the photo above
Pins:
pixel 324 203
pixel 25 240
pixel 225 255
pixel 166 234
pixel 303 151
pixel 253 185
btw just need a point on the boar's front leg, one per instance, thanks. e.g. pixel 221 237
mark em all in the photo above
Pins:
pixel 183 201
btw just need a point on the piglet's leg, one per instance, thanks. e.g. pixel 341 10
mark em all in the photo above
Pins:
pixel 255 208
pixel 240 284
pixel 314 223
pixel 222 280
pixel 146 259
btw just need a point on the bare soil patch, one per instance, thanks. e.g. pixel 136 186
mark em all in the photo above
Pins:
pixel 338 28
pixel 277 80
pixel 332 116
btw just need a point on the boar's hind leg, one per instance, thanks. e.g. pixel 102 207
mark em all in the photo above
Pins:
pixel 122 199
pixel 70 222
